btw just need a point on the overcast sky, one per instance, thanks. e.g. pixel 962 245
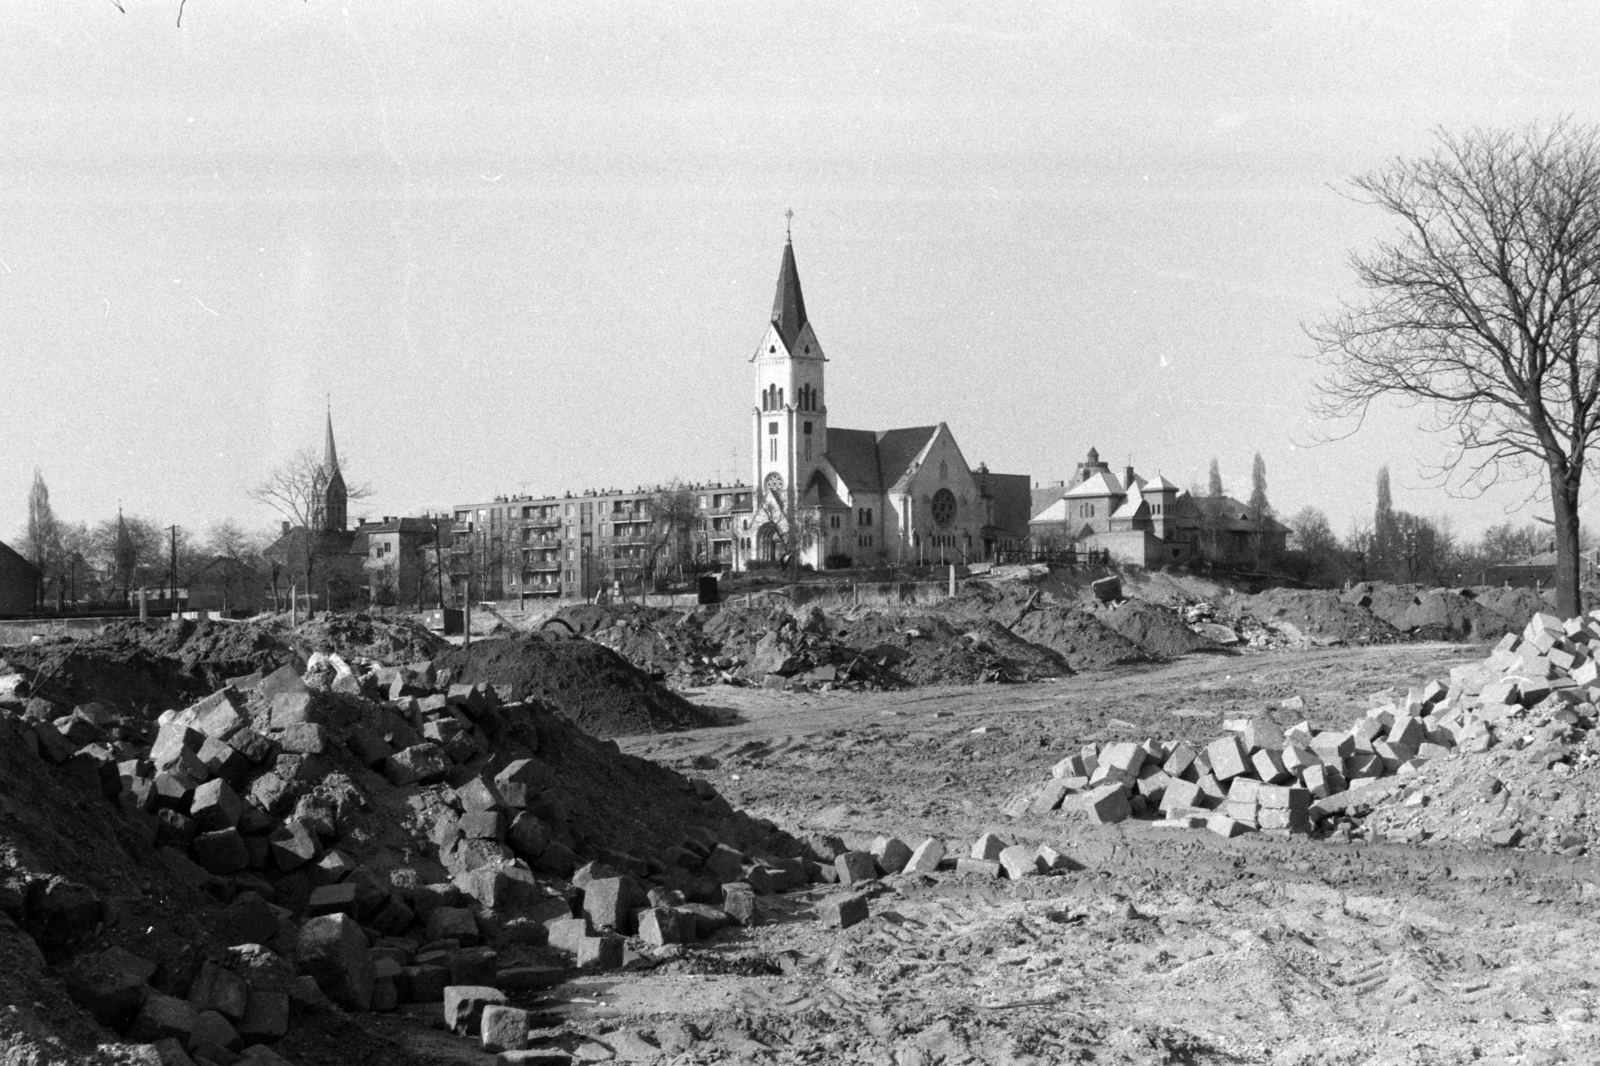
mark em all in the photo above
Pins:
pixel 530 248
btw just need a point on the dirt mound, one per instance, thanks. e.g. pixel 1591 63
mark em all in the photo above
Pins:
pixel 1446 614
pixel 1318 616
pixel 661 643
pixel 925 649
pixel 1432 614
pixel 585 618
pixel 588 684
pixel 212 650
pixel 92 859
pixel 149 666
pixel 1515 605
pixel 1080 638
pixel 1161 633
pixel 391 641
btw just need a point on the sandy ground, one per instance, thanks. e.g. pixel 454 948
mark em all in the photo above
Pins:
pixel 1163 947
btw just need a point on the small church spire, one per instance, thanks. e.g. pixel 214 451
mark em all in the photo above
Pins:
pixel 335 497
pixel 330 455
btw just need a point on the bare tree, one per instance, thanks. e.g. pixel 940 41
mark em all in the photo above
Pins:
pixel 238 553
pixel 673 516
pixel 128 551
pixel 298 489
pixel 1311 535
pixel 1507 543
pixel 1426 549
pixel 77 549
pixel 1484 311
pixel 230 540
pixel 793 529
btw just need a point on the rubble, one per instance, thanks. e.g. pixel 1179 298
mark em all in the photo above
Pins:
pixel 342 843
pixel 1433 761
pixel 337 837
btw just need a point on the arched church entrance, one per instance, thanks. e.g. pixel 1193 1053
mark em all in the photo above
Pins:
pixel 769 545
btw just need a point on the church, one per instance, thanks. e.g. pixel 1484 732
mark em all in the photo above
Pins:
pixel 858 497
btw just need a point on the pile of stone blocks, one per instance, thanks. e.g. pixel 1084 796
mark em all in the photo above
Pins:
pixel 1259 777
pixel 234 1008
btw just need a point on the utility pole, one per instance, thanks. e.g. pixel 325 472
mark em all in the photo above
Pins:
pixel 174 535
pixel 438 565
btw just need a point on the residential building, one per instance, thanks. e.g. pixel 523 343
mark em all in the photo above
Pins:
pixel 1539 571
pixel 578 544
pixel 19 582
pixel 235 586
pixel 1145 522
pixel 399 559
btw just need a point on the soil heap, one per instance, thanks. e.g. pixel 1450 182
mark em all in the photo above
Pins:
pixel 152 667
pixel 1025 625
pixel 256 871
pixel 585 682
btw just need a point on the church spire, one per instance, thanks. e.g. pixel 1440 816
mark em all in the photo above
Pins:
pixel 335 497
pixel 789 306
pixel 330 456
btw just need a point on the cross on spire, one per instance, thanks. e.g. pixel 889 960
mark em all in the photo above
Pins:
pixel 788 224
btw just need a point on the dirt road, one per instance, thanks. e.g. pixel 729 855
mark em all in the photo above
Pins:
pixel 1165 947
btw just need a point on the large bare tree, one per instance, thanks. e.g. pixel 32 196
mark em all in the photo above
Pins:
pixel 1483 310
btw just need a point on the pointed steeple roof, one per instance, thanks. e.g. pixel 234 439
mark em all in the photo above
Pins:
pixel 789 306
pixel 330 455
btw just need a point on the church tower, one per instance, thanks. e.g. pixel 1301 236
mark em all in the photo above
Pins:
pixel 790 416
pixel 335 497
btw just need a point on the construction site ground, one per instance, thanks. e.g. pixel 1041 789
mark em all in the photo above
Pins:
pixel 1153 945
pixel 1165 946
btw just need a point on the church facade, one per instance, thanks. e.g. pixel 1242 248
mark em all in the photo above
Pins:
pixel 836 497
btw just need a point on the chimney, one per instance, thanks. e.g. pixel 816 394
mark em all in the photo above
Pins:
pixel 286 527
pixel 1127 477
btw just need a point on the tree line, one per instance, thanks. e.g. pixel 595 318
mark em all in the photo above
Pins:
pixel 1402 547
pixel 102 562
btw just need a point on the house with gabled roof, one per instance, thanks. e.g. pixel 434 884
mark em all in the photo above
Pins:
pixel 840 497
pixel 1148 522
pixel 19 582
